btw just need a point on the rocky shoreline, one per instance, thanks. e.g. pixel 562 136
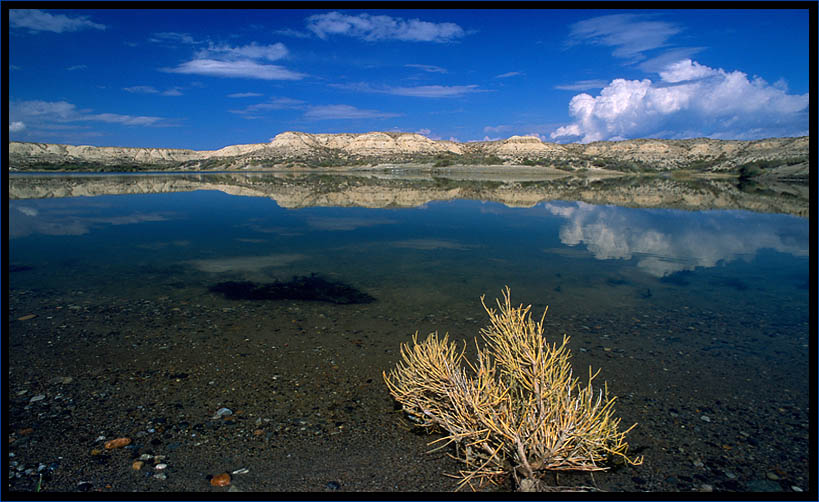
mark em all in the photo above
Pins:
pixel 778 157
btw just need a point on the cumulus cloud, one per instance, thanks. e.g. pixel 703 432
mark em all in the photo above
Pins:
pixel 688 100
pixel 17 126
pixel 37 20
pixel 372 28
pixel 326 112
pixel 694 240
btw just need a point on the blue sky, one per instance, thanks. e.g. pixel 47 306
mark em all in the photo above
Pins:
pixel 204 79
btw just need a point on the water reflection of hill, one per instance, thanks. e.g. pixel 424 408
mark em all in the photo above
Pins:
pixel 411 189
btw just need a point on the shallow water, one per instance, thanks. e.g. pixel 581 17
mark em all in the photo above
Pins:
pixel 699 320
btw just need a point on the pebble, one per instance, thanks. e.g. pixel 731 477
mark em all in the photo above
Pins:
pixel 146 456
pixel 137 465
pixel 220 480
pixel 159 467
pixel 38 397
pixel 705 418
pixel 117 443
pixel 796 489
pixel 772 476
pixel 223 412
pixel 706 488
pixel 27 317
pixel 160 475
pixel 333 485
pixel 243 470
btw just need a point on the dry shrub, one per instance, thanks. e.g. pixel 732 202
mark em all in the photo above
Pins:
pixel 517 410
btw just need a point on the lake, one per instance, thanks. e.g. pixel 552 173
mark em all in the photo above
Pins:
pixel 126 314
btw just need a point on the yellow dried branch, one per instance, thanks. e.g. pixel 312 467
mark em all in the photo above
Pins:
pixel 517 410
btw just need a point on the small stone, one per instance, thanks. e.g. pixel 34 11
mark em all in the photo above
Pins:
pixel 223 412
pixel 220 480
pixel 796 489
pixel 698 463
pixel 117 443
pixel 243 470
pixel 772 476
pixel 146 456
pixel 159 467
pixel 38 397
pixel 27 317
pixel 95 452
pixel 705 418
pixel 137 465
pixel 160 475
pixel 706 488
pixel 333 485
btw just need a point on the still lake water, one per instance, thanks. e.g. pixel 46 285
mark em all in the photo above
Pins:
pixel 699 319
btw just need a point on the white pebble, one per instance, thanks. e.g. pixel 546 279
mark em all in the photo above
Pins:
pixel 159 467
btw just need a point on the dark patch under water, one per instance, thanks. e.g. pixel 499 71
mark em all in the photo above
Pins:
pixel 309 288
pixel 18 268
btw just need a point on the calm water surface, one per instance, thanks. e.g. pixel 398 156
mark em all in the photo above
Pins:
pixel 687 312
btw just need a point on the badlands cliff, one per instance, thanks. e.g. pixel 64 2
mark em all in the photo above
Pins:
pixel 788 156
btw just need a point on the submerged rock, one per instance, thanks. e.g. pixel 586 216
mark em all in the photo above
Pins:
pixel 309 288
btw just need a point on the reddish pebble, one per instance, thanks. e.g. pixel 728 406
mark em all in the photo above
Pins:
pixel 117 443
pixel 220 479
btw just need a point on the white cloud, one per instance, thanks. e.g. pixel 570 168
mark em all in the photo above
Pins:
pixel 325 112
pixel 239 62
pixel 631 35
pixel 583 85
pixel 141 89
pixel 510 74
pixel 253 51
pixel 245 95
pixel 236 69
pixel 37 20
pixel 371 28
pixel 57 114
pixel 172 37
pixel 427 68
pixel 148 89
pixel 77 67
pixel 423 91
pixel 695 240
pixel 273 104
pixel 689 99
pixel 16 126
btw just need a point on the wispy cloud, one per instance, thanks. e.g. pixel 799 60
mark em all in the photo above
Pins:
pixel 427 68
pixel 239 62
pixel 253 111
pixel 583 85
pixel 290 32
pixel 270 52
pixel 172 37
pixel 38 114
pixel 148 89
pixel 236 69
pixel 77 67
pixel 326 112
pixel 422 91
pixel 688 100
pixel 371 28
pixel 245 95
pixel 37 20
pixel 510 74
pixel 630 34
